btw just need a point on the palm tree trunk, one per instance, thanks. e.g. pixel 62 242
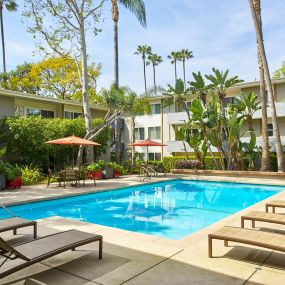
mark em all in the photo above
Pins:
pixel 2 37
pixel 184 74
pixel 276 132
pixel 116 55
pixel 85 99
pixel 118 140
pixel 265 159
pixel 175 70
pixel 133 139
pixel 144 74
pixel 154 83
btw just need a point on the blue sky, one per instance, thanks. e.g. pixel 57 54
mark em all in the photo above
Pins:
pixel 220 34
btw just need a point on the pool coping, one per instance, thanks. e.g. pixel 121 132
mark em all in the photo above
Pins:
pixel 183 239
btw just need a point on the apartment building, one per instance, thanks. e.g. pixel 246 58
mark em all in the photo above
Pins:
pixel 160 124
pixel 13 103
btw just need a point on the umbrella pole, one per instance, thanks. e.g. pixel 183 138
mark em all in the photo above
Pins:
pixel 147 155
pixel 72 156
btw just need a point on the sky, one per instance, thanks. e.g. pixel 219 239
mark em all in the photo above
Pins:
pixel 220 34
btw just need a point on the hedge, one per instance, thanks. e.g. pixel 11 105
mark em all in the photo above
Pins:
pixel 24 139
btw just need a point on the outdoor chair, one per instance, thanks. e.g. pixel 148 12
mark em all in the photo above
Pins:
pixel 274 204
pixel 263 239
pixel 256 216
pixel 58 176
pixel 42 248
pixel 13 223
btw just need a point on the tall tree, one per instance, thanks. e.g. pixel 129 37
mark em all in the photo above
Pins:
pixel 276 132
pixel 137 7
pixel 185 54
pixel 11 6
pixel 154 60
pixel 144 51
pixel 265 158
pixel 63 26
pixel 174 57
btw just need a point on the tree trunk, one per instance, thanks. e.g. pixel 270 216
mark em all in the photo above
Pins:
pixel 184 74
pixel 276 133
pixel 154 83
pixel 118 140
pixel 175 70
pixel 133 140
pixel 144 74
pixel 116 55
pixel 85 98
pixel 265 159
pixel 2 37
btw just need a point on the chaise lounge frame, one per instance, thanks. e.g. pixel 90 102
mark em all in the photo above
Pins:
pixel 38 248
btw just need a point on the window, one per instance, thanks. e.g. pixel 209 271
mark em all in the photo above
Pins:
pixel 154 156
pixel 270 130
pixel 139 134
pixel 154 133
pixel 180 108
pixel 228 100
pixel 155 108
pixel 38 112
pixel 71 115
pixel 140 156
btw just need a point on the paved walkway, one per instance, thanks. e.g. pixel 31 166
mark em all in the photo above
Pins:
pixel 134 259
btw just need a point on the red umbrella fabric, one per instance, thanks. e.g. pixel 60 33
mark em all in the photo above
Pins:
pixel 147 143
pixel 72 140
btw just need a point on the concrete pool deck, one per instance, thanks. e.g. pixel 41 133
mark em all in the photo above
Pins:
pixel 133 258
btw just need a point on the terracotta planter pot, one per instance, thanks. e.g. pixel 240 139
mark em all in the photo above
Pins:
pixel 16 183
pixel 117 173
pixel 95 174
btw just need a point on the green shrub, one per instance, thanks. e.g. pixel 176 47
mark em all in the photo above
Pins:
pixel 188 164
pixel 12 171
pixel 24 139
pixel 31 175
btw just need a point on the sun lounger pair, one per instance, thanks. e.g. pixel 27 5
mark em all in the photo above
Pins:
pixel 253 237
pixel 41 248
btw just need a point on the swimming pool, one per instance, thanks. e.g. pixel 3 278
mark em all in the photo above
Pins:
pixel 171 209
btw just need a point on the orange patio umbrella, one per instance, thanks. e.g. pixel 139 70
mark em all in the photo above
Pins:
pixel 73 140
pixel 147 143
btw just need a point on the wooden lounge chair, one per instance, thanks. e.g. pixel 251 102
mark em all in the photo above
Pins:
pixel 274 204
pixel 42 248
pixel 15 223
pixel 255 216
pixel 268 240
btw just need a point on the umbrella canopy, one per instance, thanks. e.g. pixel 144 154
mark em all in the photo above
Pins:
pixel 72 140
pixel 147 143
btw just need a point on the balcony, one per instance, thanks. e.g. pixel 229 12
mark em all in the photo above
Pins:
pixel 280 109
pixel 177 146
pixel 176 118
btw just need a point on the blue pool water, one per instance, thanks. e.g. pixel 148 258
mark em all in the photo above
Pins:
pixel 171 209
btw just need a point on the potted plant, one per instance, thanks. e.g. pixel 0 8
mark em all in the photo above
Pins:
pixel 108 170
pixel 2 175
pixel 13 176
pixel 95 171
pixel 117 170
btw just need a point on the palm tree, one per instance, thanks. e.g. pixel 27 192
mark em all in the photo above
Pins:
pixel 199 86
pixel 280 73
pixel 154 60
pixel 185 54
pixel 11 6
pixel 276 132
pixel 143 50
pixel 174 57
pixel 265 159
pixel 137 7
pixel 220 83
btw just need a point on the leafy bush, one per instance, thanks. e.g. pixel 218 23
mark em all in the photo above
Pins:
pixel 12 172
pixel 188 164
pixel 169 162
pixel 24 139
pixel 31 175
pixel 94 167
